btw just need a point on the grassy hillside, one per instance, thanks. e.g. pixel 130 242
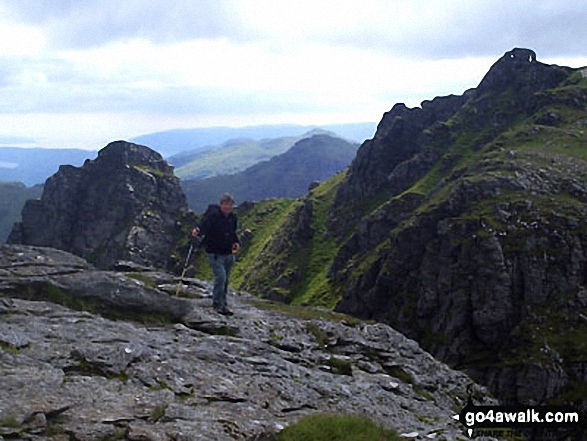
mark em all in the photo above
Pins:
pixel 287 175
pixel 235 156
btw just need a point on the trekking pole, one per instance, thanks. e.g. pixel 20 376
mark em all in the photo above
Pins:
pixel 185 267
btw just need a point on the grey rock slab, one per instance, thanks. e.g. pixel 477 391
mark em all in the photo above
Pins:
pixel 198 375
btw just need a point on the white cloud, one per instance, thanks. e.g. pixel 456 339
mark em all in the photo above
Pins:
pixel 136 66
pixel 20 40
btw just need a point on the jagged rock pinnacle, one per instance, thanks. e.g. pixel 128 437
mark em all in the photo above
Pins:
pixel 121 206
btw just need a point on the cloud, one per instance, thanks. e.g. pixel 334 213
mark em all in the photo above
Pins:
pixel 16 140
pixel 414 28
pixel 148 63
pixel 91 23
pixel 223 78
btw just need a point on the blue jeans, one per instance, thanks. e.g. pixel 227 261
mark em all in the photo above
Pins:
pixel 221 265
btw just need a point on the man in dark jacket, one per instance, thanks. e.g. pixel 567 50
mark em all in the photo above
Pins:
pixel 222 243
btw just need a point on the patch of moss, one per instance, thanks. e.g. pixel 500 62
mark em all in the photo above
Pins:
pixel 158 412
pixel 319 335
pixel 49 292
pixel 305 312
pixel 117 433
pixel 339 366
pixel 6 347
pixel 399 373
pixel 328 427
pixel 9 420
pixel 143 278
pixel 86 368
pixel 149 171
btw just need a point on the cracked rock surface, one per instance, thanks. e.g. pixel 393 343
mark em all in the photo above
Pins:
pixel 77 375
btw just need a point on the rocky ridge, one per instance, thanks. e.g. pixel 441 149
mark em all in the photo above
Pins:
pixel 462 225
pixel 188 373
pixel 474 266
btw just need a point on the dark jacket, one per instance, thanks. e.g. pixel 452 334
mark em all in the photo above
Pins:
pixel 219 231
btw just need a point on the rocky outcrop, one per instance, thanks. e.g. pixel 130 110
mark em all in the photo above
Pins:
pixel 479 287
pixel 462 225
pixel 409 141
pixel 68 372
pixel 123 205
pixel 485 256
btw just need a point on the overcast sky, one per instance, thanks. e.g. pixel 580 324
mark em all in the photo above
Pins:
pixel 82 73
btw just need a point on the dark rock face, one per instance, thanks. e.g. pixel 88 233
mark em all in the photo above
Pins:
pixel 400 136
pixel 409 141
pixel 487 268
pixel 518 69
pixel 71 374
pixel 121 206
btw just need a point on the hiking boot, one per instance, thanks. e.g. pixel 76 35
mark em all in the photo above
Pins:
pixel 225 311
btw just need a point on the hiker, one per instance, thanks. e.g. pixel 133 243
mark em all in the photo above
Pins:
pixel 218 228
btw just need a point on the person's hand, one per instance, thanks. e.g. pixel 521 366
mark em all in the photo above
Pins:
pixel 235 247
pixel 196 232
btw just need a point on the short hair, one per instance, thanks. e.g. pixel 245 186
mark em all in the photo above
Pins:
pixel 226 197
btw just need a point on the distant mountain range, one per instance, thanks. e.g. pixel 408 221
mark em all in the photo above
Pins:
pixel 33 166
pixel 172 142
pixel 234 155
pixel 286 175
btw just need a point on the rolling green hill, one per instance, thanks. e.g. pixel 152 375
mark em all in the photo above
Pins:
pixel 287 175
pixel 234 156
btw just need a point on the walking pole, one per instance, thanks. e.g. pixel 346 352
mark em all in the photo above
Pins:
pixel 185 267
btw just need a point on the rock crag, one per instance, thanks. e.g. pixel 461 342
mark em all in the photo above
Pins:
pixel 461 224
pixel 123 205
pixel 481 250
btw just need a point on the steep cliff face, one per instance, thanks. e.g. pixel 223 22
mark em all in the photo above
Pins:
pixel 480 254
pixel 123 205
pixel 463 225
